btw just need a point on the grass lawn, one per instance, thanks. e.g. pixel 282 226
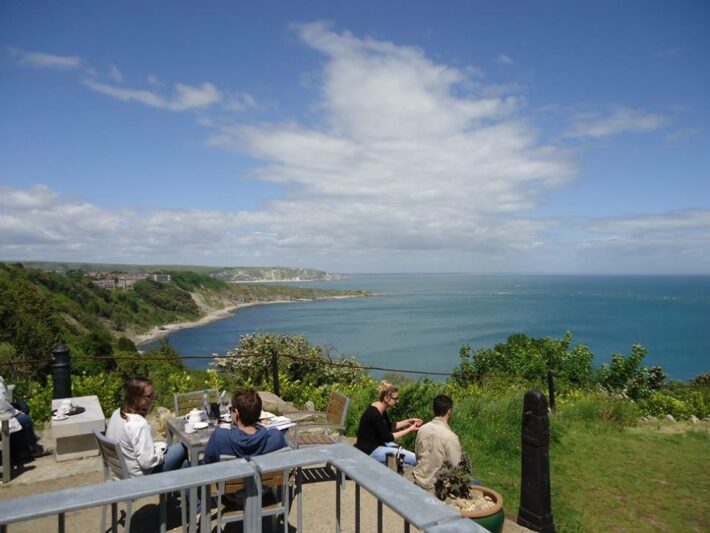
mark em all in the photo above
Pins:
pixel 655 477
pixel 637 479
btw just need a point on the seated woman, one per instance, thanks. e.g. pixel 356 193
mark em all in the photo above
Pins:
pixel 23 440
pixel 376 433
pixel 131 430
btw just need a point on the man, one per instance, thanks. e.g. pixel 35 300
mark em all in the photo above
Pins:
pixel 436 443
pixel 246 439
pixel 23 441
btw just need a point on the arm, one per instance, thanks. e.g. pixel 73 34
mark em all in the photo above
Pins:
pixel 402 424
pixel 147 456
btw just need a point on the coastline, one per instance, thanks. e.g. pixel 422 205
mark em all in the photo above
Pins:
pixel 156 332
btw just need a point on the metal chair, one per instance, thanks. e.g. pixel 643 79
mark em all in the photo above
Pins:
pixel 115 468
pixel 186 401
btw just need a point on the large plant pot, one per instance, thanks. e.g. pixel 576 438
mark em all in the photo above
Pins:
pixel 491 519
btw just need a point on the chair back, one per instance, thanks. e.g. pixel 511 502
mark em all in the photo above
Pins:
pixel 187 401
pixel 114 462
pixel 337 410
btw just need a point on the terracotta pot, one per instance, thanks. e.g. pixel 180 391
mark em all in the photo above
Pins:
pixel 492 519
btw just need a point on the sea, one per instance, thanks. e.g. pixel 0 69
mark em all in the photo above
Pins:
pixel 419 321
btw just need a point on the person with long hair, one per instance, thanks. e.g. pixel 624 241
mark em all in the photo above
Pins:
pixel 376 433
pixel 131 430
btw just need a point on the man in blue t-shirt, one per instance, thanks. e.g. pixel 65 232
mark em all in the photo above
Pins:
pixel 246 439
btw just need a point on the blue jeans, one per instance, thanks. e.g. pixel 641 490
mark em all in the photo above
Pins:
pixel 174 457
pixel 25 440
pixel 381 452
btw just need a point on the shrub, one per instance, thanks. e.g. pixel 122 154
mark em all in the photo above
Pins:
pixel 298 360
pixel 624 374
pixel 660 403
pixel 527 357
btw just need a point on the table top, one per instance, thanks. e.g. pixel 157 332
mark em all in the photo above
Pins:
pixel 197 439
pixel 92 417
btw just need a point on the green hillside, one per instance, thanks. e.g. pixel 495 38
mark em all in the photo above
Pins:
pixel 39 309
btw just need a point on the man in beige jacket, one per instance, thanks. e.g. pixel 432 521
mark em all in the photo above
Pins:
pixel 436 443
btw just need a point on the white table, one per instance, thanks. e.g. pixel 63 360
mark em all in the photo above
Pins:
pixel 75 437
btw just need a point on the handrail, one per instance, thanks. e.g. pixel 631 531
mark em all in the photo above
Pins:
pixel 413 504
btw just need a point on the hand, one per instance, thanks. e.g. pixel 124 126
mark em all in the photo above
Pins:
pixel 416 421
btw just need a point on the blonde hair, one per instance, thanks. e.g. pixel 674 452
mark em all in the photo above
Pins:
pixel 386 389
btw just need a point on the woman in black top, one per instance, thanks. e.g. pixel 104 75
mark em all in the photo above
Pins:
pixel 376 433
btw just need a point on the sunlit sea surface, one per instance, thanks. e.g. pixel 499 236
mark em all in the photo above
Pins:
pixel 419 322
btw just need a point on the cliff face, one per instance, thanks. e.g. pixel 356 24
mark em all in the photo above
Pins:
pixel 273 274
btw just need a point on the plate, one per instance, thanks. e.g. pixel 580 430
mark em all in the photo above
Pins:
pixel 59 417
pixel 200 425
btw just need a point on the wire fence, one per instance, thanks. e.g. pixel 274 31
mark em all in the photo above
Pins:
pixel 296 357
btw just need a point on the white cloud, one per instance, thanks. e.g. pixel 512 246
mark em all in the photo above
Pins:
pixel 504 60
pixel 622 120
pixel 43 60
pixel 185 97
pixel 115 74
pixel 36 197
pixel 683 133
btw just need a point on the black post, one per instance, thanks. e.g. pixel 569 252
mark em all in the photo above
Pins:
pixel 61 372
pixel 551 389
pixel 535 498
pixel 275 371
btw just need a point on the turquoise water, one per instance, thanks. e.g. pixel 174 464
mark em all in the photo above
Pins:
pixel 419 322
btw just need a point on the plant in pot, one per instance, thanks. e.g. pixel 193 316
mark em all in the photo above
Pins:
pixel 453 485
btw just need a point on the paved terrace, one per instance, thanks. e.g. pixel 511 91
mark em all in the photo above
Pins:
pixel 45 475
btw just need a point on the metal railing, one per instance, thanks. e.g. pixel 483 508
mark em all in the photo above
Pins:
pixel 415 506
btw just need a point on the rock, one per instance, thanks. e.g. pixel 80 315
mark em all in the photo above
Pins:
pixel 272 403
pixel 309 406
pixel 669 417
pixel 694 419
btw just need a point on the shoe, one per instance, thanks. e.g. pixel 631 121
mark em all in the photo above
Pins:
pixel 40 451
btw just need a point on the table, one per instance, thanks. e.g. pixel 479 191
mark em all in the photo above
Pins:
pixel 75 435
pixel 194 442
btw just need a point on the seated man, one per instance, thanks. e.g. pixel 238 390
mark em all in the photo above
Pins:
pixel 436 443
pixel 246 439
pixel 23 441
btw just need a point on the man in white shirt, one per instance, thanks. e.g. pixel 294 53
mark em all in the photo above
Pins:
pixel 436 443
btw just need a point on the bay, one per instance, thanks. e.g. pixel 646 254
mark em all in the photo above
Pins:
pixel 419 321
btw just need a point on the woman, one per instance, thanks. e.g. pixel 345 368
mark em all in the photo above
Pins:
pixel 376 434
pixel 131 430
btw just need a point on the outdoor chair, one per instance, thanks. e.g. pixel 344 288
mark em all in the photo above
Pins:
pixel 5 440
pixel 321 428
pixel 115 468
pixel 186 401
pixel 230 498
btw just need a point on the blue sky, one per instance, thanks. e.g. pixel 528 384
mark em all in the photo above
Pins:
pixel 552 137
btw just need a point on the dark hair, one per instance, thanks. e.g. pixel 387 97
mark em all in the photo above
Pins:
pixel 247 402
pixel 133 389
pixel 442 404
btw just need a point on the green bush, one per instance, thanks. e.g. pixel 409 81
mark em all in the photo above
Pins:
pixel 660 403
pixel 526 357
pixel 298 361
